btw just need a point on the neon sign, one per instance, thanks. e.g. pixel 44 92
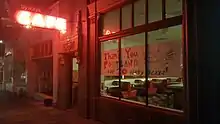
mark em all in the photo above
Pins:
pixel 29 19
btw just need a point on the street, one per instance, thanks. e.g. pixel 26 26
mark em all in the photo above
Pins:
pixel 14 110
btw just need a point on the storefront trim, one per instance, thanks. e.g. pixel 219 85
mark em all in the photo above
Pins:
pixel 156 108
pixel 104 6
pixel 144 28
pixel 134 113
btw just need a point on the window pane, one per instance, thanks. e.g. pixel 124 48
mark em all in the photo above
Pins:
pixel 133 68
pixel 111 22
pixel 139 12
pixel 154 10
pixel 165 68
pixel 126 16
pixel 109 69
pixel 173 8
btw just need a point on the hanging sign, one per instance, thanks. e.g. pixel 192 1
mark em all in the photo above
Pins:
pixel 28 18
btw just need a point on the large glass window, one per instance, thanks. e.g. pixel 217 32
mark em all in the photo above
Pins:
pixel 139 12
pixel 126 17
pixel 125 74
pixel 165 68
pixel 154 10
pixel 129 84
pixel 133 84
pixel 109 69
pixel 111 22
pixel 173 8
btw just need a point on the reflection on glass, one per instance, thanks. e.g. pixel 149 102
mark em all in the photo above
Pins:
pixel 109 69
pixel 126 16
pixel 154 10
pixel 139 12
pixel 165 68
pixel 173 8
pixel 111 22
pixel 133 86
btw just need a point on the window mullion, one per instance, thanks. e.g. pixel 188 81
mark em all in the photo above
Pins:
pixel 120 19
pixel 146 66
pixel 163 9
pixel 132 14
pixel 119 52
pixel 146 11
pixel 120 64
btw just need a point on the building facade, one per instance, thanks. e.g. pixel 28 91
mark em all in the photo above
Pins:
pixel 138 60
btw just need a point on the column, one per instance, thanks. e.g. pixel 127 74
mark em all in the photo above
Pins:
pixel 202 43
pixel 55 49
pixel 64 100
pixel 32 72
pixel 31 77
pixel 84 63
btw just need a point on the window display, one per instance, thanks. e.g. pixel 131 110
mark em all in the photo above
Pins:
pixel 109 69
pixel 133 83
pixel 165 68
pixel 144 66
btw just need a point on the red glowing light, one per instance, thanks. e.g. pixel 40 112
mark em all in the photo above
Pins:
pixel 39 20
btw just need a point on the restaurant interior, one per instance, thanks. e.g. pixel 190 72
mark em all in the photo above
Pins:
pixel 164 85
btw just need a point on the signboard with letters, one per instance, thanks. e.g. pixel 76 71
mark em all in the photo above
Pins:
pixel 69 43
pixel 164 59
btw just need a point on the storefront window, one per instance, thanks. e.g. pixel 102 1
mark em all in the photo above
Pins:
pixel 133 86
pixel 173 8
pixel 165 68
pixel 139 12
pixel 111 22
pixel 109 69
pixel 123 65
pixel 126 16
pixel 154 10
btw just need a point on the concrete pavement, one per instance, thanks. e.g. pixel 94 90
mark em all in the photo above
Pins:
pixel 14 110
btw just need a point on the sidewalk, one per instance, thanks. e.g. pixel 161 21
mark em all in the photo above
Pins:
pixel 22 111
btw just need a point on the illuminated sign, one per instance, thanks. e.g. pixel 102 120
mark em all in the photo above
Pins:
pixel 29 19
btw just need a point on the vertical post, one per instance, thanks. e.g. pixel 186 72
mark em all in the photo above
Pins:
pixel 202 42
pixel 64 100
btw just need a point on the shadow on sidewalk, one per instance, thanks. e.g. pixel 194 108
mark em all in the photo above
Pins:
pixel 15 110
